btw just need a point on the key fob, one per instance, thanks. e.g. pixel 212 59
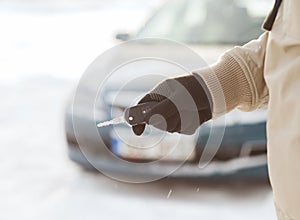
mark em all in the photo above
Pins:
pixel 138 114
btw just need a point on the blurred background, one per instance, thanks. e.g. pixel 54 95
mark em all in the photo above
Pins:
pixel 45 46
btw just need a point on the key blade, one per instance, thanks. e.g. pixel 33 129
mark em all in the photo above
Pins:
pixel 114 121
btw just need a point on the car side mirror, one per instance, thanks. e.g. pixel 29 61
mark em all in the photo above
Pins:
pixel 123 36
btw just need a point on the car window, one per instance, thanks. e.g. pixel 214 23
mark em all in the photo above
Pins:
pixel 208 22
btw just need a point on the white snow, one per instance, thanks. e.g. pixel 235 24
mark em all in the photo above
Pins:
pixel 169 194
pixel 42 55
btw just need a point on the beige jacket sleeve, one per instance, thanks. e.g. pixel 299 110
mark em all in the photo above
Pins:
pixel 237 79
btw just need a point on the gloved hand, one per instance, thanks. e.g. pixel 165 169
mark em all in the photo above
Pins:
pixel 183 102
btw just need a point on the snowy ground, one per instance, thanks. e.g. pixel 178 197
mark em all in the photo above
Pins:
pixel 42 56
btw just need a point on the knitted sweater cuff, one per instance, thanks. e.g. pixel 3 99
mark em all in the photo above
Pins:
pixel 227 83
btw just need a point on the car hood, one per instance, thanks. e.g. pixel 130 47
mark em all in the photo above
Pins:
pixel 203 56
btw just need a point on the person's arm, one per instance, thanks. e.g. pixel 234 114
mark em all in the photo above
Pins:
pixel 237 79
pixel 186 102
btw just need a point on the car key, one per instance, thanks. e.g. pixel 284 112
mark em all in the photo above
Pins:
pixel 133 115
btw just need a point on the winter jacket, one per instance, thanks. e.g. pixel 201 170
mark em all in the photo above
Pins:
pixel 266 73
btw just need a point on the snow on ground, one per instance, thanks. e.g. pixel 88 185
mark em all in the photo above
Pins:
pixel 42 56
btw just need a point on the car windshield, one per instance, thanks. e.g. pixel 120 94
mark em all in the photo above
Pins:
pixel 208 21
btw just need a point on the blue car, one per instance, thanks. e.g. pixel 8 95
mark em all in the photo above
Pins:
pixel 209 28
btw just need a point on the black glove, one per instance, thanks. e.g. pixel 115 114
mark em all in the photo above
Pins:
pixel 183 102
